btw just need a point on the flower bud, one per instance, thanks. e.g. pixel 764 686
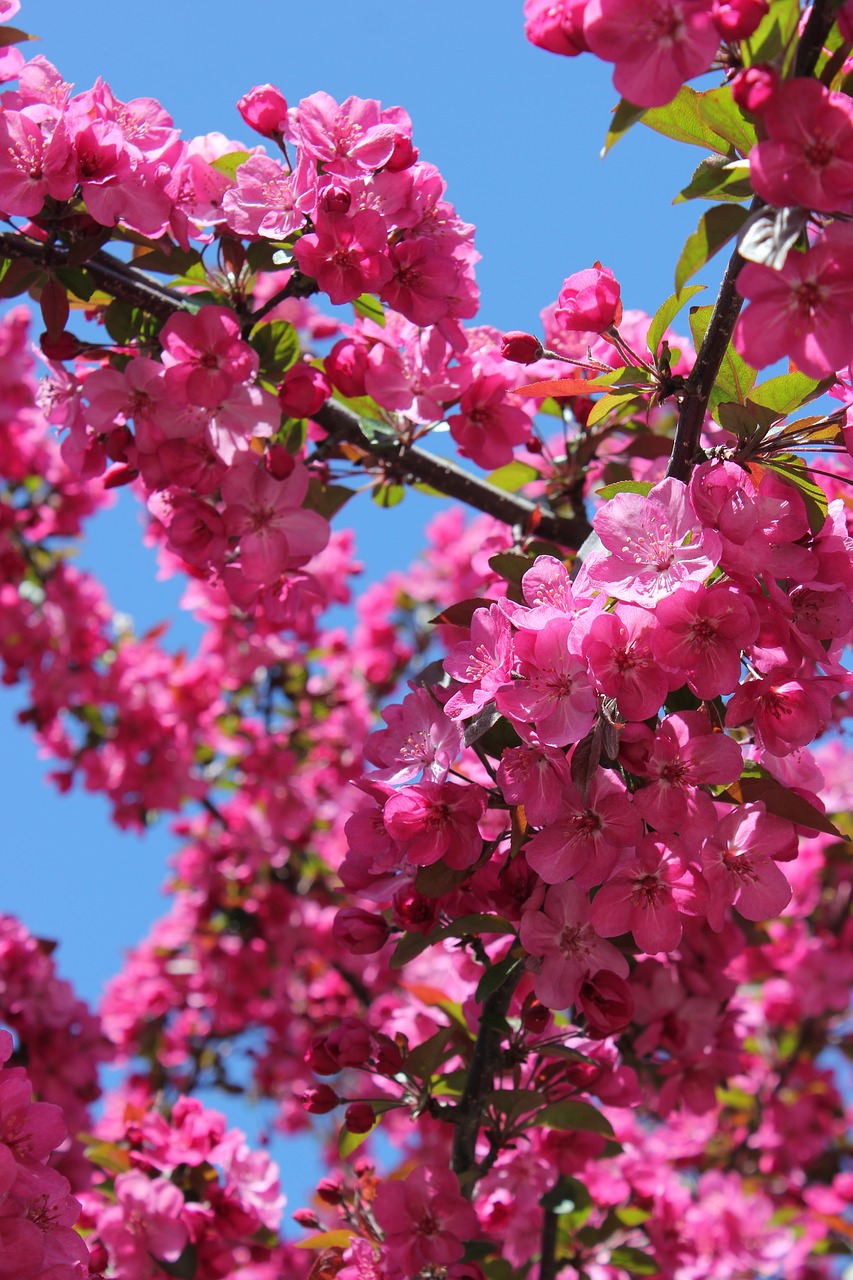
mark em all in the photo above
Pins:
pixel 737 19
pixel 279 462
pixel 360 932
pixel 319 1099
pixel 606 1002
pixel 346 365
pixel 753 87
pixel 306 1218
pixel 522 348
pixel 320 1060
pixel 534 1016
pixel 589 301
pixel 359 1117
pixel 404 154
pixel 303 391
pixel 328 1191
pixel 264 109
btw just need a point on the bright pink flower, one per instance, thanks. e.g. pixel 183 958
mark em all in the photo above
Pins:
pixel 553 691
pixel 433 820
pixel 521 348
pixel 605 1000
pixel 424 280
pixel 360 932
pixel 589 301
pixel 32 165
pixel 655 44
pixel 700 632
pixel 738 19
pixel 205 355
pixel 739 868
pixel 419 738
pixel 787 713
pixel 686 755
pixel 145 1223
pixel 267 201
pixel 643 896
pixel 425 1219
pixel 488 426
pixel 481 664
pixel 618 648
pixel 652 545
pixel 535 777
pixel 347 256
pixel 563 940
pixel 303 390
pixel 804 310
pixel 264 109
pixel 266 514
pixel 807 157
pixel 753 87
pixel 586 837
pixel 348 139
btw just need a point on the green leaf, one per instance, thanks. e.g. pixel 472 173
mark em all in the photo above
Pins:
pixel 619 398
pixel 625 114
pixel 773 34
pixel 573 1115
pixel 683 121
pixel 387 494
pixel 666 313
pixel 496 976
pixel 567 1195
pixel 461 613
pixel 77 282
pixel 423 1061
pixel 510 566
pixel 716 228
pixel 512 477
pixel 350 1142
pixel 412 944
pixel 633 1260
pixel 719 110
pixel 326 499
pixel 625 486
pixel 18 275
pixel 791 469
pixel 277 345
pixel 717 178
pixel 632 1216
pixel 371 308
pixel 231 163
pixel 789 391
pixel 742 420
pixel 514 1102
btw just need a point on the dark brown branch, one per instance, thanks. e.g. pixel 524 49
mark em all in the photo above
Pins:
pixel 729 302
pixel 129 283
pixel 485 1061
pixel 548 1262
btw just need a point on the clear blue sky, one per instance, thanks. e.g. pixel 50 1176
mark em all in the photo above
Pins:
pixel 516 133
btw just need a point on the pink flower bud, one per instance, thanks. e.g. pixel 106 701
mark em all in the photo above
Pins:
pixel 328 1191
pixel 753 87
pixel 346 365
pixel 306 1218
pixel 360 932
pixel 335 199
pixel 589 301
pixel 320 1099
pixel 404 154
pixel 522 348
pixel 359 1117
pixel 303 390
pixel 389 1056
pixel 556 25
pixel 320 1060
pixel 737 19
pixel 606 1002
pixel 264 109
pixel 279 462
pixel 534 1016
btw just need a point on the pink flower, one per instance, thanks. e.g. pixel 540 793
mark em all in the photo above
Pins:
pixel 807 157
pixel 425 1219
pixel 644 895
pixel 424 280
pixel 787 713
pixel 553 691
pixel 739 868
pixel 804 310
pixel 144 1223
pixel 435 820
pixel 686 754
pixel 652 545
pixel 347 256
pixel 349 140
pixel 205 355
pixel 420 738
pixel 655 44
pixel 618 648
pixel 488 427
pixel 700 633
pixel 586 837
pixel 264 109
pixel 556 25
pixel 267 201
pixel 481 664
pixel 569 950
pixel 266 514
pixel 589 301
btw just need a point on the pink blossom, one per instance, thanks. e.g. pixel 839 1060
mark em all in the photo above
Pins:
pixel 32 165
pixel 589 301
pixel 347 256
pixel 652 545
pixel 488 426
pixel 419 738
pixel 535 777
pixel 563 940
pixel 643 896
pixel 803 310
pixel 481 664
pixel 556 25
pixel 655 44
pixel 807 156
pixel 264 109
pixel 205 355
pixel 348 139
pixel 787 713
pixel 423 282
pixel 144 1223
pixel 425 1219
pixel 586 837
pixel 700 633
pixel 433 820
pixel 275 532
pixel 553 691
pixel 618 648
pixel 739 868
pixel 267 201
pixel 685 755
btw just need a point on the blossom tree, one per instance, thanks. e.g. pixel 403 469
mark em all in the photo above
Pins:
pixel 530 893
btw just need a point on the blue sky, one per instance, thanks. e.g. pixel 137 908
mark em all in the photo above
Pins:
pixel 516 132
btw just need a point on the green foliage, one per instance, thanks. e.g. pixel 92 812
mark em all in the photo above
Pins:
pixel 790 391
pixel 684 120
pixel 277 345
pixel 512 477
pixel 716 227
pixel 387 494
pixel 573 1115
pixel 716 178
pixel 625 486
pixel 735 378
pixel 230 163
pixel 371 308
pixel 666 313
pixel 412 944
pixel 791 469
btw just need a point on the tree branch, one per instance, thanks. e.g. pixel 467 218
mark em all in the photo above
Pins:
pixel 727 308
pixel 132 285
pixel 484 1064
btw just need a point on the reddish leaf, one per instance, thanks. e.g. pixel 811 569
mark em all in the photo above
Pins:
pixel 556 387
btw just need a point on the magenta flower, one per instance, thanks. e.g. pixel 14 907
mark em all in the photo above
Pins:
pixel 686 755
pixel 589 301
pixel 419 738
pixel 739 868
pixel 264 109
pixel 347 256
pixel 553 691
pixel 655 44
pixel 435 820
pixel 804 310
pixel 425 1219
pixel 644 895
pixel 700 634
pixel 267 201
pixel 488 427
pixel 205 356
pixel 787 714
pixel 587 836
pixel 807 157
pixel 481 664
pixel 563 940
pixel 275 532
pixel 652 545
pixel 618 648
pixel 144 1223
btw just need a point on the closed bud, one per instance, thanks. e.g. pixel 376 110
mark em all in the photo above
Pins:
pixel 279 462
pixel 360 932
pixel 264 109
pixel 589 301
pixel 359 1117
pixel 320 1099
pixel 738 19
pixel 329 1192
pixel 534 1016
pixel 521 348
pixel 753 87
pixel 606 1002
pixel 306 1218
pixel 303 391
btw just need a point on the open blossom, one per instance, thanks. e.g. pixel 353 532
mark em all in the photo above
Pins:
pixel 700 631
pixel 347 256
pixel 655 44
pixel 804 310
pixel 739 867
pixel 644 896
pixel 425 1219
pixel 419 738
pixel 205 355
pixel 553 691
pixel 275 532
pixel 144 1222
pixel 807 156
pixel 562 938
pixel 480 664
pixel 433 820
pixel 586 837
pixel 652 545
pixel 787 713
pixel 487 426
